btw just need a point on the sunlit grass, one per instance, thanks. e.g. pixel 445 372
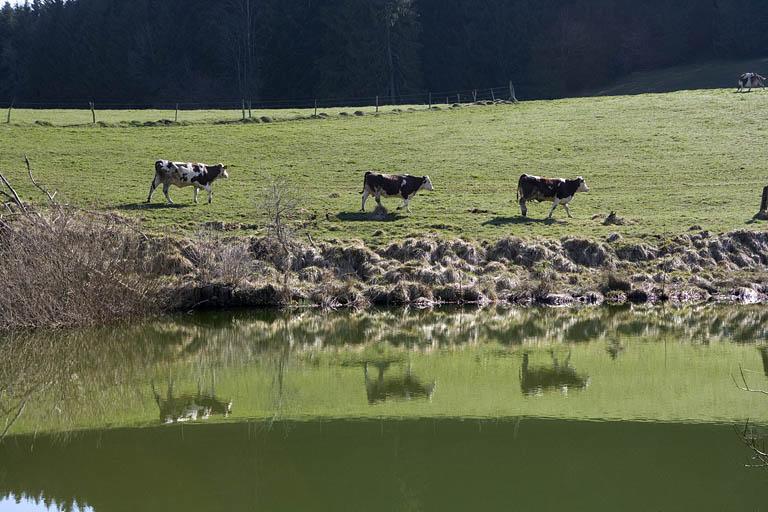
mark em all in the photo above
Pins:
pixel 663 162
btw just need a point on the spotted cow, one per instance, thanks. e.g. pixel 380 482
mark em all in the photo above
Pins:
pixel 390 185
pixel 750 80
pixel 181 174
pixel 557 190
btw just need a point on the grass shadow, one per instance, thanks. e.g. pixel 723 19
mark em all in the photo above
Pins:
pixel 149 206
pixel 518 220
pixel 368 217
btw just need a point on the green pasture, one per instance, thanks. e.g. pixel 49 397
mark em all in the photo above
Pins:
pixel 663 162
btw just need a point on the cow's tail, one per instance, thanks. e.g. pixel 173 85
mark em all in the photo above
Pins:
pixel 520 186
pixel 365 180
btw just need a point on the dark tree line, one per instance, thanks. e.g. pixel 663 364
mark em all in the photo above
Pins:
pixel 208 50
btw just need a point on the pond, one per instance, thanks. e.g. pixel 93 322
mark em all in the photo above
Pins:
pixel 447 409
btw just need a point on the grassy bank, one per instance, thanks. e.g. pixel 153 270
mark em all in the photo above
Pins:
pixel 663 162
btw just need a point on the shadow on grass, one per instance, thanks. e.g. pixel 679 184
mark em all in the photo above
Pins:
pixel 518 220
pixel 150 206
pixel 368 217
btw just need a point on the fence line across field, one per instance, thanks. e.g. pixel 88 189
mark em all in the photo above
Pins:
pixel 247 107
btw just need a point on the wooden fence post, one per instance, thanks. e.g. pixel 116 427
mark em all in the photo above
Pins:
pixel 377 103
pixel 763 213
pixel 243 106
pixel 8 118
pixel 176 116
pixel 250 113
pixel 512 96
pixel 315 108
pixel 493 95
pixel 430 101
pixel 93 111
pixel 474 95
pixel 458 98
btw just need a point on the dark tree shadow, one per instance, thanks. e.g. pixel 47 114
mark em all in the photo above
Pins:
pixel 150 206
pixel 368 217
pixel 518 220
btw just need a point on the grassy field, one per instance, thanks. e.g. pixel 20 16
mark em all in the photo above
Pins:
pixel 664 162
pixel 703 75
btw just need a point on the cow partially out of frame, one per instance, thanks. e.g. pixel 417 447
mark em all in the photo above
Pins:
pixel 182 174
pixel 558 190
pixel 750 80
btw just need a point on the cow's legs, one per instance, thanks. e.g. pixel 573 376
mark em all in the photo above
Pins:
pixel 166 186
pixel 378 198
pixel 554 205
pixel 365 198
pixel 567 210
pixel 195 193
pixel 523 208
pixel 209 189
pixel 405 206
pixel 152 187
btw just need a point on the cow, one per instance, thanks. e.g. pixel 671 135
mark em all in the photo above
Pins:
pixel 181 174
pixel 390 185
pixel 407 387
pixel 750 80
pixel 189 407
pixel 557 190
pixel 535 380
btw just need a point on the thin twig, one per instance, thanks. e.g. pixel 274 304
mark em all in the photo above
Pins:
pixel 746 387
pixel 15 197
pixel 36 184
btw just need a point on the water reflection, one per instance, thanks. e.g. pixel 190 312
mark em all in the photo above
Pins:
pixel 535 380
pixel 640 363
pixel 403 387
pixel 190 407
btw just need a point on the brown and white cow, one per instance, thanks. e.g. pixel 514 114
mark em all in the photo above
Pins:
pixel 557 190
pixel 390 185
pixel 750 80
pixel 182 174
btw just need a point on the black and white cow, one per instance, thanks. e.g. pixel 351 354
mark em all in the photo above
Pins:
pixel 557 190
pixel 750 80
pixel 390 185
pixel 182 174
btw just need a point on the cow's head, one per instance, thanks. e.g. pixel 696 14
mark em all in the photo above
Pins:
pixel 426 184
pixel 582 184
pixel 224 174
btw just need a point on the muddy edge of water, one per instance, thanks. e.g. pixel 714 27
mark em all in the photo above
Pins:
pixel 221 272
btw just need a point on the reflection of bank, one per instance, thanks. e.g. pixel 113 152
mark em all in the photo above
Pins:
pixel 405 387
pixel 190 407
pixel 535 380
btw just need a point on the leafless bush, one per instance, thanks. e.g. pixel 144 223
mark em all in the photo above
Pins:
pixel 65 267
pixel 278 207
pixel 221 261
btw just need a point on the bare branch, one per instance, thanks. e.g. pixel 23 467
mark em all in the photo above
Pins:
pixel 36 184
pixel 745 386
pixel 15 197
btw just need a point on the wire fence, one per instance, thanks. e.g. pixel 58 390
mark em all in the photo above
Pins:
pixel 108 111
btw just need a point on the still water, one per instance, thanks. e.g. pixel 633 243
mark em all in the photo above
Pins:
pixel 491 409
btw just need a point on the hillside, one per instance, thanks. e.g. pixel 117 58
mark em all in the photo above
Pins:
pixel 703 75
pixel 664 162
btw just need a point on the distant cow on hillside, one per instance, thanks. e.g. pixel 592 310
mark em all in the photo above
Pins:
pixel 557 190
pixel 750 80
pixel 390 185
pixel 200 176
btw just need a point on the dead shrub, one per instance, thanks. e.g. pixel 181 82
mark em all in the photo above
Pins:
pixel 65 268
